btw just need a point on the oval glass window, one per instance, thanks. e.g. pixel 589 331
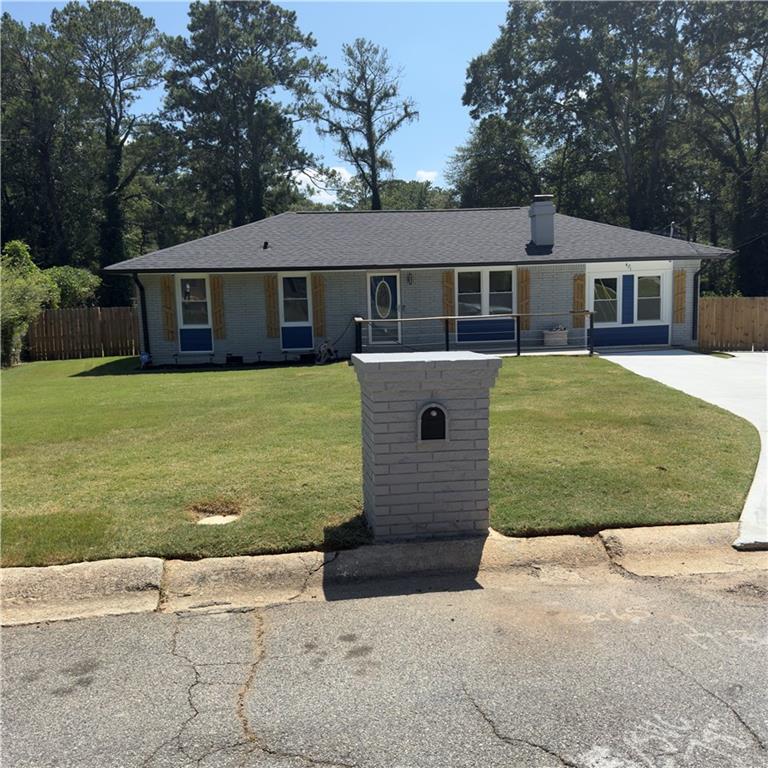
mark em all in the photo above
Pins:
pixel 383 299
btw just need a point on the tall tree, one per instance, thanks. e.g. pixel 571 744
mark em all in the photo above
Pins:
pixel 117 52
pixel 726 85
pixel 495 167
pixel 363 109
pixel 236 90
pixel 602 72
pixel 37 87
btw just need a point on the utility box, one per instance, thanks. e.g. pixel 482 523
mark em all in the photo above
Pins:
pixel 425 442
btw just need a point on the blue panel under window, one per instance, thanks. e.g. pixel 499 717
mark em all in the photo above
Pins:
pixel 195 340
pixel 636 334
pixel 627 299
pixel 296 336
pixel 490 329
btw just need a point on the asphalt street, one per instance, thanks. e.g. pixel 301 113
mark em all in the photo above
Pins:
pixel 540 668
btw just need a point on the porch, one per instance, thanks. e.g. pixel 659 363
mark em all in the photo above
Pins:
pixel 505 333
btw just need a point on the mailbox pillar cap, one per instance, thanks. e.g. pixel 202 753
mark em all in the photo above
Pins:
pixel 384 358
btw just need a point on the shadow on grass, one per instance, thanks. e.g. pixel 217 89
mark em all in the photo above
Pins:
pixel 122 367
pixel 130 366
pixel 347 574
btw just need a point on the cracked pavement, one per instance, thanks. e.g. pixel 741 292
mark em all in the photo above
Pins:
pixel 543 667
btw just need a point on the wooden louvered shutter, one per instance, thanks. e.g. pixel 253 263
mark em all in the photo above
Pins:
pixel 579 299
pixel 270 303
pixel 678 315
pixel 168 299
pixel 524 298
pixel 217 306
pixel 318 304
pixel 449 296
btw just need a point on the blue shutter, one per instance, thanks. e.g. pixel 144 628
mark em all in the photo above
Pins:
pixel 628 299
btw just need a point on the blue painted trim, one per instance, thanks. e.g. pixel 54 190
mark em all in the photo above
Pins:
pixel 627 336
pixel 296 336
pixel 502 329
pixel 195 340
pixel 627 299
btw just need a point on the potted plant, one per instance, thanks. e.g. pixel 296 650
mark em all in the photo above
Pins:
pixel 556 337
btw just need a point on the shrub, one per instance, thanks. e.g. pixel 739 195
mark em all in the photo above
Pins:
pixel 27 290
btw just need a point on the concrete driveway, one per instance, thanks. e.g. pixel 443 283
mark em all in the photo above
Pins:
pixel 738 384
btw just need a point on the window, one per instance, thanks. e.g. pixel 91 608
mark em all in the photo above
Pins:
pixel 606 301
pixel 194 301
pixel 648 297
pixel 383 300
pixel 485 292
pixel 470 293
pixel 499 293
pixel 295 300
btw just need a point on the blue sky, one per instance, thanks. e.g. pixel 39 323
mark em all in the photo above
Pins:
pixel 431 41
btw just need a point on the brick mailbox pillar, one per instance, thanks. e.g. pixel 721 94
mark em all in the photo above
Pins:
pixel 425 442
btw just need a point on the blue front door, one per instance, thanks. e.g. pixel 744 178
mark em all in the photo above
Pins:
pixel 383 308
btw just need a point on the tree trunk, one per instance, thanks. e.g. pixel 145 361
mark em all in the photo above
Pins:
pixel 115 290
pixel 750 240
pixel 111 236
pixel 239 215
pixel 375 197
pixel 57 241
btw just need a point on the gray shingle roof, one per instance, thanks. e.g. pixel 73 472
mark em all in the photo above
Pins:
pixel 389 239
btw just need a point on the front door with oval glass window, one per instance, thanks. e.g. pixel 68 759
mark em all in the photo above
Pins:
pixel 383 309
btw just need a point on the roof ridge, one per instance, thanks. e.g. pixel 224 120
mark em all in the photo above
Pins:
pixel 692 244
pixel 416 210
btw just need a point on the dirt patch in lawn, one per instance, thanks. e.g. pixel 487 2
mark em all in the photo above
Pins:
pixel 220 506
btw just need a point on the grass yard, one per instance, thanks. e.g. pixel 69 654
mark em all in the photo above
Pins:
pixel 101 462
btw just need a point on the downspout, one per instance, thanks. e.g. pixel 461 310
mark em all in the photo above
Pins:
pixel 696 286
pixel 143 311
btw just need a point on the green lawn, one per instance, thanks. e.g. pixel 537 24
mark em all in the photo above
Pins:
pixel 99 462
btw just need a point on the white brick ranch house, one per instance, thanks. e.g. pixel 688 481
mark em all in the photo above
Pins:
pixel 279 288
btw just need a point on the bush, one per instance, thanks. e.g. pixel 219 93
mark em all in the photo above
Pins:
pixel 27 290
pixel 77 287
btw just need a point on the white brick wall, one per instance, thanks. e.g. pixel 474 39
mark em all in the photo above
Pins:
pixel 414 488
pixel 346 295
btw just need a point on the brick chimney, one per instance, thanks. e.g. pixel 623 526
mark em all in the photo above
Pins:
pixel 542 216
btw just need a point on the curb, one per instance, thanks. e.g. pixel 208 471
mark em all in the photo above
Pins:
pixel 147 584
pixel 80 590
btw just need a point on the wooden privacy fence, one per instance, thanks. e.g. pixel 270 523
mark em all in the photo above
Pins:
pixel 61 334
pixel 737 322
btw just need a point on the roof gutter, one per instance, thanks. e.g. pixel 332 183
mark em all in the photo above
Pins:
pixel 437 265
pixel 696 292
pixel 143 311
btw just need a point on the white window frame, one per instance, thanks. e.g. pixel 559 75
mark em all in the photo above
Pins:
pixel 664 280
pixel 397 307
pixel 179 294
pixel 619 277
pixel 485 292
pixel 663 269
pixel 180 316
pixel 295 323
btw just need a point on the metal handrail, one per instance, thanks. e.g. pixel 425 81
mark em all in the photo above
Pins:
pixel 472 317
pixel 448 319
